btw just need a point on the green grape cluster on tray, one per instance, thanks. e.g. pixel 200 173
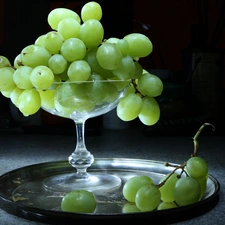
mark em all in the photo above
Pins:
pixel 74 50
pixel 185 185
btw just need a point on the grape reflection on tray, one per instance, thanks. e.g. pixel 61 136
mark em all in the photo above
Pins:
pixel 73 72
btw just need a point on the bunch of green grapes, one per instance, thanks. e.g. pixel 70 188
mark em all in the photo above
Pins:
pixel 185 185
pixel 74 51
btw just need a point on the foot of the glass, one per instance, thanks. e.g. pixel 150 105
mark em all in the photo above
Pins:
pixel 93 182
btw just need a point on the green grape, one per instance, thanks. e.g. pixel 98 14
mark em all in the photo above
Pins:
pixel 111 92
pixel 69 28
pixel 57 63
pixel 130 89
pixel 129 107
pixel 197 167
pixel 203 184
pixel 40 40
pixel 91 10
pixel 148 198
pixel 17 61
pixel 167 189
pixel 90 57
pixel 53 42
pixel 41 77
pixel 79 70
pixel 63 111
pixel 29 101
pixel 14 95
pixel 4 62
pixel 73 95
pixel 130 207
pixel 150 85
pixel 80 201
pixel 139 45
pixel 96 90
pixel 58 14
pixel 150 111
pixel 166 205
pixel 47 98
pixel 132 185
pixel 35 55
pixel 187 191
pixel 73 49
pixel 109 56
pixel 6 93
pixel 91 33
pixel 138 70
pixel 21 77
pixel 126 69
pixel 6 79
pixel 121 43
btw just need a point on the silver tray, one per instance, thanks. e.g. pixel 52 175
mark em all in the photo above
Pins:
pixel 22 194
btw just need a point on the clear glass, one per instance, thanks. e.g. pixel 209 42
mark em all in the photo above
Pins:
pixel 80 101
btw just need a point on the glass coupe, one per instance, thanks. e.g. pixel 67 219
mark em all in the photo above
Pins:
pixel 80 101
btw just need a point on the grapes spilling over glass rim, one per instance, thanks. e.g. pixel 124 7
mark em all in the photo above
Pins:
pixel 75 51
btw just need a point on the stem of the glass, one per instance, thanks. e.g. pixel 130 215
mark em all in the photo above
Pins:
pixel 81 158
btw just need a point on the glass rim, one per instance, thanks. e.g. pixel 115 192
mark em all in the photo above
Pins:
pixel 91 81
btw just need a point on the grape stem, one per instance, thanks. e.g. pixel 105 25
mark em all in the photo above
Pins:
pixel 195 138
pixel 182 167
pixel 135 87
pixel 176 167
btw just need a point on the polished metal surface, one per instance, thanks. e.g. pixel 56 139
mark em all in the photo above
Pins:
pixel 22 192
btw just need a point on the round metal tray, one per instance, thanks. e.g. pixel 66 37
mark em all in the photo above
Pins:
pixel 22 194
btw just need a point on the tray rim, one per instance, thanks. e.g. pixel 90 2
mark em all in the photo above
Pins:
pixel 42 215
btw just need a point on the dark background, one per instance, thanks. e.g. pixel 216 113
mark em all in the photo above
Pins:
pixel 188 39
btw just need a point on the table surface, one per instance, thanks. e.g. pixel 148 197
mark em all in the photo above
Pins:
pixel 21 149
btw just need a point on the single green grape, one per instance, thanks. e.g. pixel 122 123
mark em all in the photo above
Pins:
pixel 29 101
pixel 167 189
pixel 139 45
pixel 80 201
pixel 129 107
pixel 58 14
pixel 35 55
pixel 130 207
pixel 21 77
pixel 17 62
pixel 57 63
pixel 150 85
pixel 41 77
pixel 132 185
pixel 91 10
pixel 15 94
pixel 187 191
pixel 92 33
pixel 166 205
pixel 79 70
pixel 40 40
pixel 148 197
pixel 64 28
pixel 109 56
pixel 203 184
pixel 53 42
pixel 47 98
pixel 91 59
pixel 126 69
pixel 197 167
pixel 150 111
pixel 4 62
pixel 73 49
pixel 121 43
pixel 6 79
